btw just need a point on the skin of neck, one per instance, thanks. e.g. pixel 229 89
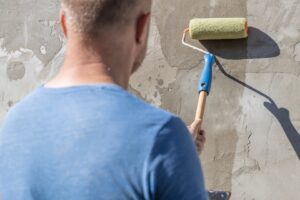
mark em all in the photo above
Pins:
pixel 108 59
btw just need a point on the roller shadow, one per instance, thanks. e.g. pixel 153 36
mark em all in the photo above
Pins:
pixel 257 45
pixel 281 114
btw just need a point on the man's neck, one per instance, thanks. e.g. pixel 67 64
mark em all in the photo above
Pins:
pixel 87 68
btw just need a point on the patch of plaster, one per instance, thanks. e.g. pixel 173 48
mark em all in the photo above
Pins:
pixel 297 52
pixel 52 68
pixel 10 103
pixel 1 42
pixel 30 25
pixel 15 71
pixel 262 141
pixel 212 3
pixel 15 83
pixel 54 27
pixel 43 50
pixel 155 73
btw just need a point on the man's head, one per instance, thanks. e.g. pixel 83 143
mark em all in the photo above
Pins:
pixel 116 23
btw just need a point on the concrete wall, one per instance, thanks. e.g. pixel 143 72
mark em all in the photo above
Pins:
pixel 253 112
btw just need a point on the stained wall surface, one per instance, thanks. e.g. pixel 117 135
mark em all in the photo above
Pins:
pixel 253 112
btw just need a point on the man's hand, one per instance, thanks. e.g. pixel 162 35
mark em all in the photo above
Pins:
pixel 198 135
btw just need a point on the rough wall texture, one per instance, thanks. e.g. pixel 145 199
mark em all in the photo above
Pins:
pixel 253 112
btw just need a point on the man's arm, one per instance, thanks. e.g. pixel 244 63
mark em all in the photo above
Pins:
pixel 173 169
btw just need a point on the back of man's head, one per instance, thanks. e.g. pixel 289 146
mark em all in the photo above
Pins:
pixel 91 17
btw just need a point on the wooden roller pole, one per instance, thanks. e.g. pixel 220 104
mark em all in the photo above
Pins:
pixel 201 106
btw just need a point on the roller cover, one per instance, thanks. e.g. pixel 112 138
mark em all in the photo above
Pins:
pixel 218 28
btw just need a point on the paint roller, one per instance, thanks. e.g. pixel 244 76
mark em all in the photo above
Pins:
pixel 212 29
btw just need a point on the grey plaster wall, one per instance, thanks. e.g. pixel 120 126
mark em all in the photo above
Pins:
pixel 253 112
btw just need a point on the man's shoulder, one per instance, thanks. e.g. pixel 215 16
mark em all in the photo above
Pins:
pixel 18 116
pixel 19 109
pixel 148 109
pixel 141 113
pixel 24 104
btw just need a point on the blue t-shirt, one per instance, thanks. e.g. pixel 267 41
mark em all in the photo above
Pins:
pixel 96 142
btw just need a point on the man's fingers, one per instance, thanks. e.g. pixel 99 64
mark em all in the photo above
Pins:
pixel 200 145
pixel 195 128
pixel 200 140
pixel 202 132
pixel 198 134
pixel 201 137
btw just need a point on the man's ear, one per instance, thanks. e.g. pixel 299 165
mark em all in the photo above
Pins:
pixel 63 23
pixel 142 27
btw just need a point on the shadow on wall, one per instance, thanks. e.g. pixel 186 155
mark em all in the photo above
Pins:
pixel 281 114
pixel 257 45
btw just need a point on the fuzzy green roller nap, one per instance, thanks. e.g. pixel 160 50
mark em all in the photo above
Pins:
pixel 212 29
pixel 218 28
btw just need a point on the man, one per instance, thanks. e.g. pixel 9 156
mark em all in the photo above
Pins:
pixel 82 136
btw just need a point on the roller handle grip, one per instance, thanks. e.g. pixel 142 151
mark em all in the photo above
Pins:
pixel 206 76
pixel 204 85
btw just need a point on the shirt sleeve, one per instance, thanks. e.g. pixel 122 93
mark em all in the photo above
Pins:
pixel 173 169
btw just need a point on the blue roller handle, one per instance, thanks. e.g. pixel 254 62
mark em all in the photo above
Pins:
pixel 206 76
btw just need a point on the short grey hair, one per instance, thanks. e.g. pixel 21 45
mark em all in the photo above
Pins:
pixel 89 17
